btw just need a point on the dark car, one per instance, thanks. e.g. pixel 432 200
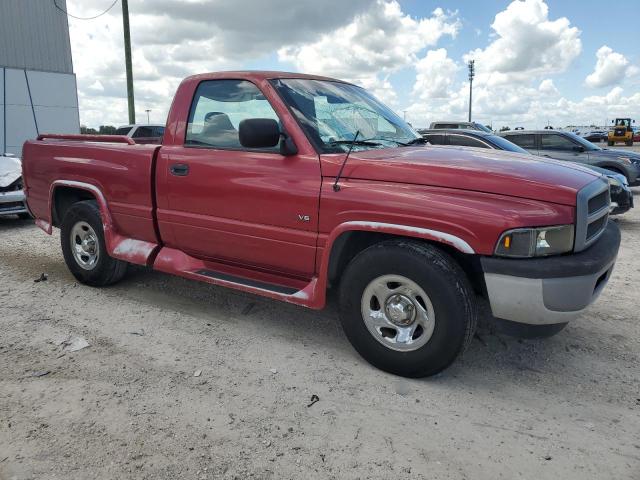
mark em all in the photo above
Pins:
pixel 569 146
pixel 596 136
pixel 621 195
pixel 458 125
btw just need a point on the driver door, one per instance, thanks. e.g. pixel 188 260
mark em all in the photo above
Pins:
pixel 224 202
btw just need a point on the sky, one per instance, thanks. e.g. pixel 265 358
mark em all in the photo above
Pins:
pixel 558 62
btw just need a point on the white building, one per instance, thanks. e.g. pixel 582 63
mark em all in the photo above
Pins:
pixel 38 91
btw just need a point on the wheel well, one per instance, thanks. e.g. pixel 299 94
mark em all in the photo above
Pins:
pixel 349 244
pixel 63 198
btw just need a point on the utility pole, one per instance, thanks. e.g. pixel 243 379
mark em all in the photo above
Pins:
pixel 472 73
pixel 404 115
pixel 148 121
pixel 127 59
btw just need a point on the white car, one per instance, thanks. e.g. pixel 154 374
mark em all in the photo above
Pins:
pixel 12 198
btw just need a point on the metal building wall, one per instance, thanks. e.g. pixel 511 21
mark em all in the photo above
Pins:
pixel 34 35
pixel 38 92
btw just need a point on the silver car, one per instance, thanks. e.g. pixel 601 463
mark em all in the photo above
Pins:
pixel 12 198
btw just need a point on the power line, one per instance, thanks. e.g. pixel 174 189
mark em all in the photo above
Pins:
pixel 84 18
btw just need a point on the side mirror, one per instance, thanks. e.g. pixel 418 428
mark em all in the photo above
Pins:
pixel 265 133
pixel 259 133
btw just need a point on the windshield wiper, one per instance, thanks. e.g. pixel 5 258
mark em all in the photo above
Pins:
pixel 366 143
pixel 417 141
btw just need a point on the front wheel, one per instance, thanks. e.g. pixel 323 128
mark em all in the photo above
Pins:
pixel 84 248
pixel 407 307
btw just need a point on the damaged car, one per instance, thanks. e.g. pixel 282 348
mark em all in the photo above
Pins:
pixel 12 197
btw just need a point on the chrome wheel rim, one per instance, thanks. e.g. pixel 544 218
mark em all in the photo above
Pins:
pixel 398 313
pixel 84 245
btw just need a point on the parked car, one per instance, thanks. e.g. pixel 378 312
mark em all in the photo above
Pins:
pixel 12 198
pixel 465 125
pixel 596 136
pixel 142 133
pixel 285 185
pixel 621 194
pixel 569 146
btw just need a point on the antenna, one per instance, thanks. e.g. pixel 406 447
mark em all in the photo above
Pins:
pixel 336 187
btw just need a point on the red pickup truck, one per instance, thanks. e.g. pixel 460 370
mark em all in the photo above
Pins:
pixel 286 185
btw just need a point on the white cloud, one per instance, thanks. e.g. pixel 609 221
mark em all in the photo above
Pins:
pixel 175 38
pixel 435 73
pixel 528 44
pixel 547 87
pixel 377 42
pixel 611 68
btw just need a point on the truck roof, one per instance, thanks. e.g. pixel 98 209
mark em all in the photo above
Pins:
pixel 258 75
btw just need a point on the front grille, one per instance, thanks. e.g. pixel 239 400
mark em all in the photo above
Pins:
pixel 596 227
pixel 592 213
pixel 619 132
pixel 598 202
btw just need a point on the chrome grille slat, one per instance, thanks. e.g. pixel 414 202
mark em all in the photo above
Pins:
pixel 592 214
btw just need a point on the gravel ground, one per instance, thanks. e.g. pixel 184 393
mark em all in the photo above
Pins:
pixel 130 406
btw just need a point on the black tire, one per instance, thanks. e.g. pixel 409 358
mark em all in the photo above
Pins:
pixel 25 216
pixel 106 270
pixel 447 287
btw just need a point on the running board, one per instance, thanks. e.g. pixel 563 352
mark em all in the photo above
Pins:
pixel 248 282
pixel 300 292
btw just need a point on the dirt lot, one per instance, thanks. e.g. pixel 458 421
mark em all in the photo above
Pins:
pixel 129 406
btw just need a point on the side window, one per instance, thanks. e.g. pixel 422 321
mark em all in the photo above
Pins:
pixel 123 131
pixel 556 142
pixel 435 138
pixel 217 109
pixel 523 141
pixel 157 131
pixel 462 141
pixel 142 132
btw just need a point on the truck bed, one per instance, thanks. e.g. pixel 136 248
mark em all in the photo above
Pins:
pixel 101 164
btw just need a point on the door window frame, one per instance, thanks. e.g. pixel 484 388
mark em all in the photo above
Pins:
pixel 232 149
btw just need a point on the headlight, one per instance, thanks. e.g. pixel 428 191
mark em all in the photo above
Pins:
pixel 536 242
pixel 625 159
pixel 614 182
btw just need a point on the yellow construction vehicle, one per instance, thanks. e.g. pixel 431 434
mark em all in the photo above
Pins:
pixel 621 132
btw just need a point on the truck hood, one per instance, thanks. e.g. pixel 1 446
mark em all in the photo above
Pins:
pixel 10 170
pixel 476 169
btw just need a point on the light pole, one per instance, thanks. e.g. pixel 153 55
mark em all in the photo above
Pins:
pixel 127 61
pixel 148 110
pixel 472 73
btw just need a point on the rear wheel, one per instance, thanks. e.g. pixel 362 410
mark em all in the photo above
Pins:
pixel 84 248
pixel 407 307
pixel 25 216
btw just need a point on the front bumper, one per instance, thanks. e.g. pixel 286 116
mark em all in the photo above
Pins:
pixel 543 291
pixel 13 202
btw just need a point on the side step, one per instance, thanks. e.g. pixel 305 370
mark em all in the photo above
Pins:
pixel 248 282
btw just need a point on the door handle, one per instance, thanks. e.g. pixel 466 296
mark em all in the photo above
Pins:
pixel 179 169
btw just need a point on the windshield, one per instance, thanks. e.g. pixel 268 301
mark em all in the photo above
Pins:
pixel 479 126
pixel 505 144
pixel 585 143
pixel 331 113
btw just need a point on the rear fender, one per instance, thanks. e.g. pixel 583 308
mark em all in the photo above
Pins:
pixel 118 246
